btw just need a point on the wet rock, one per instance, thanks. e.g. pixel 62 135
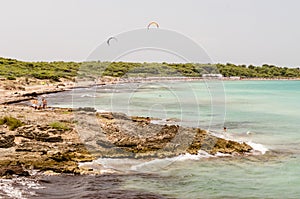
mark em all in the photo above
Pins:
pixel 213 145
pixel 143 139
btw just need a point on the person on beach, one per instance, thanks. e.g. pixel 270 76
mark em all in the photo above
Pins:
pixel 39 104
pixel 34 103
pixel 44 102
pixel 148 120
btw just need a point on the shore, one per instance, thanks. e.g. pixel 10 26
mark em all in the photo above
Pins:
pixel 13 91
pixel 56 140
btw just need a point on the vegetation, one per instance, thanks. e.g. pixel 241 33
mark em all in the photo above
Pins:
pixel 264 71
pixel 59 126
pixel 11 122
pixel 11 69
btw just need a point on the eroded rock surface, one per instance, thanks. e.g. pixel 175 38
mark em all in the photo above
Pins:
pixel 57 140
pixel 39 145
pixel 123 136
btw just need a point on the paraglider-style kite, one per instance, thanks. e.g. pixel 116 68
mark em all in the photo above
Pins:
pixel 153 23
pixel 111 38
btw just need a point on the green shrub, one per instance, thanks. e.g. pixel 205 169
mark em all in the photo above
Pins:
pixel 11 122
pixel 11 78
pixel 59 126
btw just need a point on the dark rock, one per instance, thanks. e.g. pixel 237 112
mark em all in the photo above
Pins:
pixel 121 116
pixel 50 139
pixel 32 146
pixel 39 133
pixel 7 141
pixel 145 120
pixel 86 109
pixel 33 94
pixel 8 171
pixel 105 144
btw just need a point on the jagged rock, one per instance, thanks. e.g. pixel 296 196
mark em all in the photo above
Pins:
pixel 33 146
pixel 10 170
pixel 7 141
pixel 139 137
pixel 50 139
pixel 213 145
pixel 39 146
pixel 141 119
pixel 39 133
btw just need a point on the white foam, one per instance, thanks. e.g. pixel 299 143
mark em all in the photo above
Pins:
pixel 87 95
pixel 157 164
pixel 258 147
pixel 18 187
pixel 102 111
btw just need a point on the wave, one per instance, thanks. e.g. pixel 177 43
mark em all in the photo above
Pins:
pixel 18 188
pixel 258 149
pixel 132 164
pixel 88 95
pixel 112 165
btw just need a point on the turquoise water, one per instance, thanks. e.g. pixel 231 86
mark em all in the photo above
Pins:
pixel 262 112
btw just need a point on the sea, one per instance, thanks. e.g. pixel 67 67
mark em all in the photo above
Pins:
pixel 264 114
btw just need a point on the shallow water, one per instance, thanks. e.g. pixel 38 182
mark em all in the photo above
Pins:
pixel 265 113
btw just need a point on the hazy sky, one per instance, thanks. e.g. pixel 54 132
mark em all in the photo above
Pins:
pixel 236 31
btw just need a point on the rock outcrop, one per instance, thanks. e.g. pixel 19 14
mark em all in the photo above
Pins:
pixel 48 141
pixel 7 141
pixel 123 136
pixel 39 144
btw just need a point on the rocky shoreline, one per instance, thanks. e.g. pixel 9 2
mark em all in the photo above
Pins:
pixel 56 140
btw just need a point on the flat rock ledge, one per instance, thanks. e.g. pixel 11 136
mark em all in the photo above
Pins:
pixel 56 140
pixel 136 137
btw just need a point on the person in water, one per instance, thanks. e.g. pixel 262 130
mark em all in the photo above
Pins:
pixel 225 129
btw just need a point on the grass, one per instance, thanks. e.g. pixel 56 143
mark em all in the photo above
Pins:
pixel 11 122
pixel 59 126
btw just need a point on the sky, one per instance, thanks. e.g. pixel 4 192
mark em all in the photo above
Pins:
pixel 241 32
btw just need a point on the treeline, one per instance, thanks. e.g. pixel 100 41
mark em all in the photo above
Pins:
pixel 11 69
pixel 264 71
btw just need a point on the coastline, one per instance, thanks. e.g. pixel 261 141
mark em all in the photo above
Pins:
pixel 39 144
pixel 14 91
